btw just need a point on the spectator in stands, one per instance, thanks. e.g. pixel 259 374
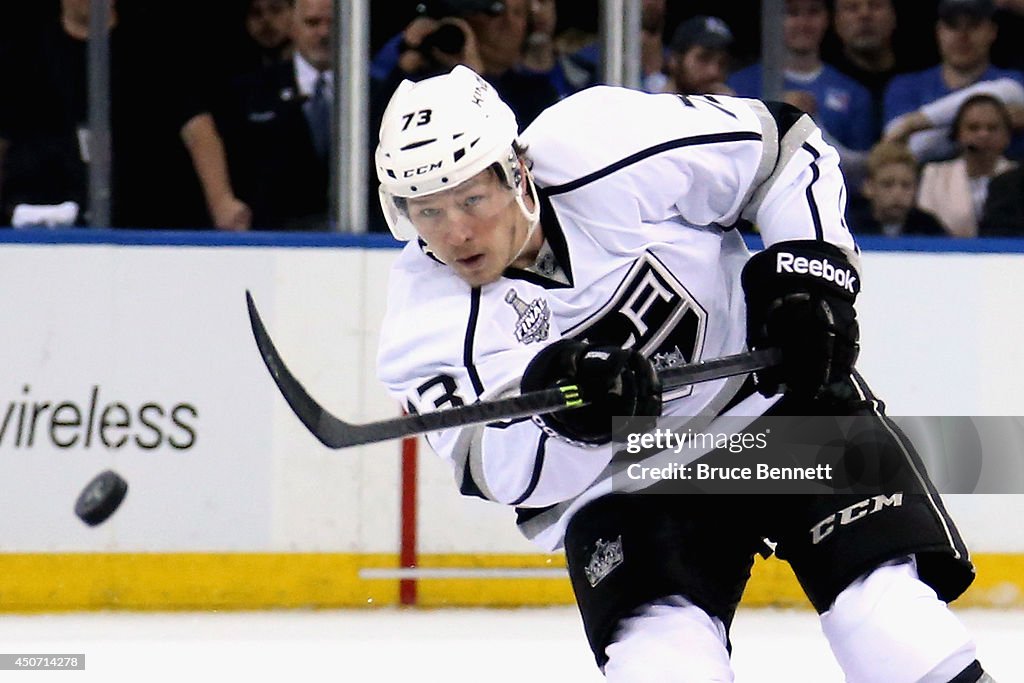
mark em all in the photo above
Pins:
pixel 866 49
pixel 956 190
pixel 866 52
pixel 1015 6
pixel 930 126
pixel 277 125
pixel 541 51
pixel 965 32
pixel 841 106
pixel 250 35
pixel 489 41
pixel 885 205
pixel 699 57
pixel 652 46
pixel 168 165
pixel 268 23
pixel 585 60
pixel 1003 215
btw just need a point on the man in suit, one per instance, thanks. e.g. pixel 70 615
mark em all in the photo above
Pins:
pixel 277 128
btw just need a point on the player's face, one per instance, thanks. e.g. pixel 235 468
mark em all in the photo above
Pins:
pixel 891 191
pixel 476 228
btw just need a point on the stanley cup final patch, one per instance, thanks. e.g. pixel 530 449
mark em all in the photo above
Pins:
pixel 534 318
pixel 607 556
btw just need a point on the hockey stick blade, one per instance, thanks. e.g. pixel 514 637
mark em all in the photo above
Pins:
pixel 336 433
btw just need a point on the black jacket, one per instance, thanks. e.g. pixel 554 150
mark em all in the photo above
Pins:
pixel 274 167
pixel 917 222
pixel 1004 205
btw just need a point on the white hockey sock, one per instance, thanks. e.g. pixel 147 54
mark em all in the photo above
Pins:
pixel 890 626
pixel 669 641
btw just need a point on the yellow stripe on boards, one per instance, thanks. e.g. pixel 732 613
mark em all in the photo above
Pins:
pixel 189 581
pixel 239 581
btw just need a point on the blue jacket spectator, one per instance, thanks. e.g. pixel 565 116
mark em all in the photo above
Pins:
pixel 965 33
pixel 840 105
pixel 843 105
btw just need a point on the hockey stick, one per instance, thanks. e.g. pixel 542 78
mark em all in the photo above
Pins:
pixel 336 433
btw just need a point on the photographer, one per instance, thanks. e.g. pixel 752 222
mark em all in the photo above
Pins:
pixel 486 35
pixel 431 45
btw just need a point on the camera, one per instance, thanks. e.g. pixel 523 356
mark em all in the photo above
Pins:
pixel 449 38
pixel 439 9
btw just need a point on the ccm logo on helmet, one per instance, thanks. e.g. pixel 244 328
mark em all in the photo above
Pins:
pixel 820 268
pixel 410 172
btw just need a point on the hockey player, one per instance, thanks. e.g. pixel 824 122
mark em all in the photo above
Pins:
pixel 597 247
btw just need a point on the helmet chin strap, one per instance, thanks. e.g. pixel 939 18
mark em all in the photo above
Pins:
pixel 532 215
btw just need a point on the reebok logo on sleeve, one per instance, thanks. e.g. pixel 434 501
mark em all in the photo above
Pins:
pixel 822 268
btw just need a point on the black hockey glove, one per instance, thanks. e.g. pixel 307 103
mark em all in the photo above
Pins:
pixel 800 298
pixel 616 382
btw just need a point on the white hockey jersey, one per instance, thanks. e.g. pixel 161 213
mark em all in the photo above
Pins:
pixel 640 195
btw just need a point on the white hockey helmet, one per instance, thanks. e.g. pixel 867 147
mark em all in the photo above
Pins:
pixel 438 133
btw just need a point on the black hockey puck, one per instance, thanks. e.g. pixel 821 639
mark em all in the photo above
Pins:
pixel 100 497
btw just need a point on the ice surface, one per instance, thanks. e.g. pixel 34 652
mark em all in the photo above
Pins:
pixel 530 645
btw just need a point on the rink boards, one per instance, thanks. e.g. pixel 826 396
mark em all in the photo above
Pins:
pixel 133 352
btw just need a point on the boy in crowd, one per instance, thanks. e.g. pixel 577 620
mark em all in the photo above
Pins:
pixel 886 206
